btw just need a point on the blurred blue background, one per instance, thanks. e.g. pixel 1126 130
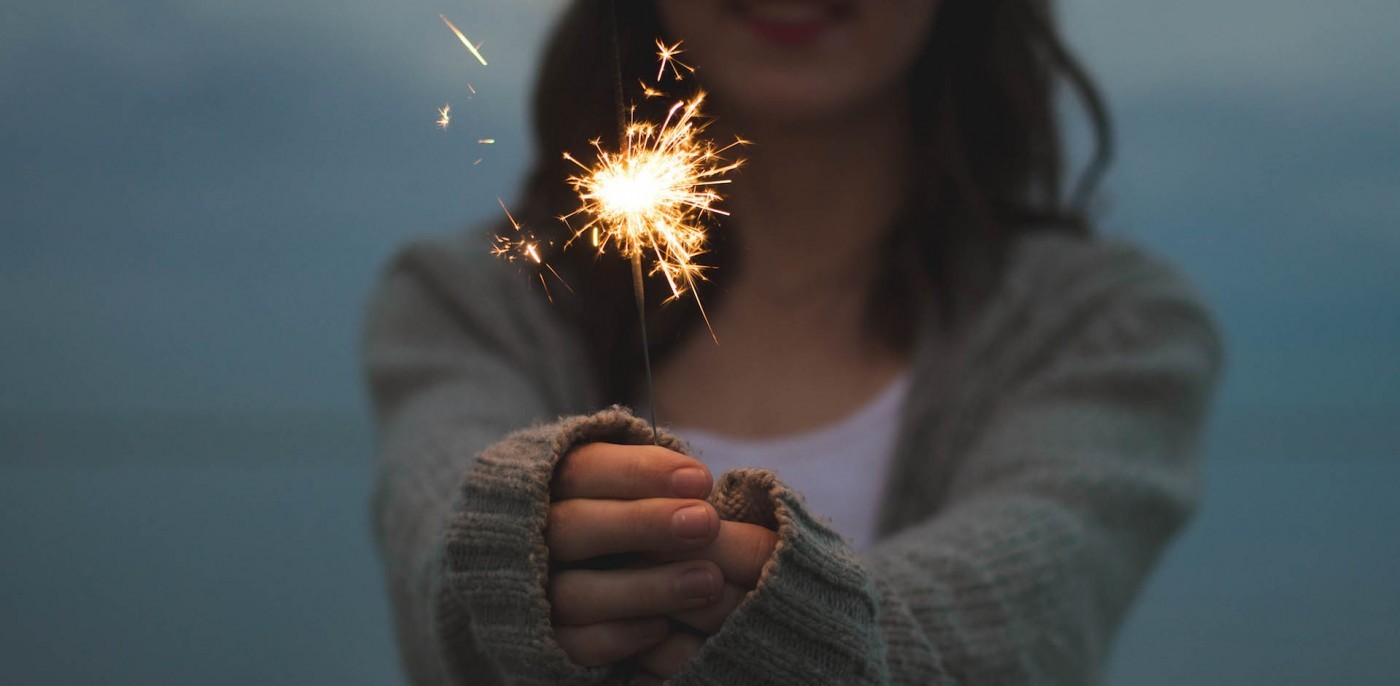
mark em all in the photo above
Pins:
pixel 196 195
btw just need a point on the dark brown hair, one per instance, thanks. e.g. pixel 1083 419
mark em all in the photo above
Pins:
pixel 983 104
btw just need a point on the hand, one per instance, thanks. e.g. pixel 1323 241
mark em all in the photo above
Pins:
pixel 740 551
pixel 612 499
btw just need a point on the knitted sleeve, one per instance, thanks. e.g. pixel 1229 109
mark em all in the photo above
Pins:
pixel 491 598
pixel 457 354
pixel 1073 463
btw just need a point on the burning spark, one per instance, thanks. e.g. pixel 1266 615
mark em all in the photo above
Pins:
pixel 648 91
pixel 473 90
pixel 649 198
pixel 444 116
pixel 486 141
pixel 667 56
pixel 513 249
pixel 473 48
pixel 525 246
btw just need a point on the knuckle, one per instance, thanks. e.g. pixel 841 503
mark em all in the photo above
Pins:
pixel 583 453
pixel 640 523
pixel 600 644
pixel 585 645
pixel 556 520
pixel 558 527
pixel 566 472
pixel 637 471
pixel 561 597
pixel 758 548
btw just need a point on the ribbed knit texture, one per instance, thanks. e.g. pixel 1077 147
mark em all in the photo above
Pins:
pixel 1047 455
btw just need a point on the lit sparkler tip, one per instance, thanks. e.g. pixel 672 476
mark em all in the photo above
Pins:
pixel 650 198
pixel 444 116
pixel 474 49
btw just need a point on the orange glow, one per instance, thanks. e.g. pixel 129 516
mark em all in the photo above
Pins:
pixel 649 199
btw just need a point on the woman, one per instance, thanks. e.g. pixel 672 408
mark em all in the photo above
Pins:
pixel 989 418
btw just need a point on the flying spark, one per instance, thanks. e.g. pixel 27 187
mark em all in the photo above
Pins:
pixel 444 116
pixel 473 48
pixel 486 141
pixel 524 246
pixel 649 198
pixel 666 54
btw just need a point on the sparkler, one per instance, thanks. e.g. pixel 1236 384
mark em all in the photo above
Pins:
pixel 649 199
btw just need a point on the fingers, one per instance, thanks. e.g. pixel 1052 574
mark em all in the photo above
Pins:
pixel 582 528
pixel 666 658
pixel 605 470
pixel 605 642
pixel 741 550
pixel 711 617
pixel 583 596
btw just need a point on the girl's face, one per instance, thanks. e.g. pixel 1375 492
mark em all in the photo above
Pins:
pixel 793 60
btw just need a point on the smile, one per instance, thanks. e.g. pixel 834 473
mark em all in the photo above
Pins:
pixel 791 22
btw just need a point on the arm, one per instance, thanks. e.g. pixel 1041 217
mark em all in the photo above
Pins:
pixel 1062 499
pixel 457 355
pixel 1068 477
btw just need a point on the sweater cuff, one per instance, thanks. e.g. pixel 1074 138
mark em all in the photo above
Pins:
pixel 812 619
pixel 490 595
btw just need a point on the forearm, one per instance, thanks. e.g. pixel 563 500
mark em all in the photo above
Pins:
pixel 449 351
pixel 423 464
pixel 1015 590
pixel 1062 479
pixel 410 508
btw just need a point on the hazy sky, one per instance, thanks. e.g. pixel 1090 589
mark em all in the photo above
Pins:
pixel 195 195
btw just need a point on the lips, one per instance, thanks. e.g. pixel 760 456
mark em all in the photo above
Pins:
pixel 791 22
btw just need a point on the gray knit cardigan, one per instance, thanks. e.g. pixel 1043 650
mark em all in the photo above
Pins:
pixel 1047 453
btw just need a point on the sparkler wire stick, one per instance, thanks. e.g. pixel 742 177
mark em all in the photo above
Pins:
pixel 638 286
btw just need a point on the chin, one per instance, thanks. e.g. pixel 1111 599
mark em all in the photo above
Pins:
pixel 763 99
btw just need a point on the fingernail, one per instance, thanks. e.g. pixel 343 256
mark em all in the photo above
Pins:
pixel 650 628
pixel 691 522
pixel 690 482
pixel 696 583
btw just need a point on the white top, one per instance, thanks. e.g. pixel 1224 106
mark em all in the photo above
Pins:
pixel 840 468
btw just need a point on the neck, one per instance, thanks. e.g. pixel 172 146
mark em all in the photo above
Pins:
pixel 814 203
pixel 811 212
